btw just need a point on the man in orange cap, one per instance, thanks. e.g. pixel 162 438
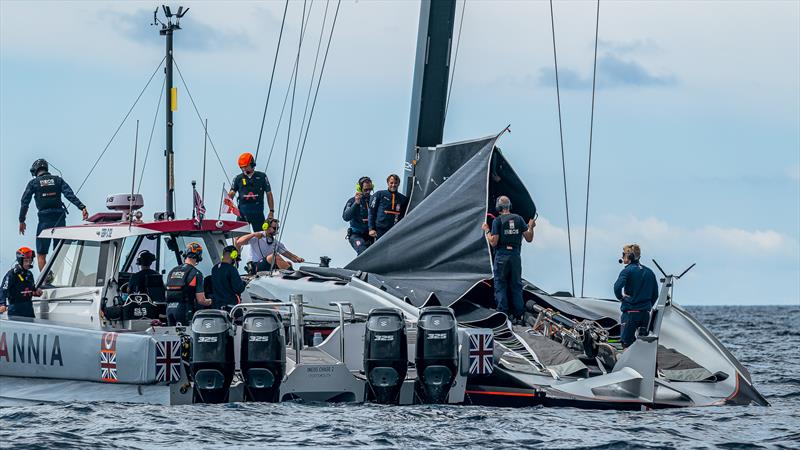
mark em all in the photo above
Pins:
pixel 18 286
pixel 252 186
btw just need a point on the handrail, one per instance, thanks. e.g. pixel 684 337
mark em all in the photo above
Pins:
pixel 340 306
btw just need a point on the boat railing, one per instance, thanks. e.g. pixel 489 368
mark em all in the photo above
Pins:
pixel 341 306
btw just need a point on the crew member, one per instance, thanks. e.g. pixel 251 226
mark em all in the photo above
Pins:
pixel 46 191
pixel 505 236
pixel 185 287
pixel 228 285
pixel 252 185
pixel 265 250
pixel 18 287
pixel 138 282
pixel 637 289
pixel 356 211
pixel 386 208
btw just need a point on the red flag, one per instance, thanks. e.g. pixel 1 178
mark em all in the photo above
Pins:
pixel 230 208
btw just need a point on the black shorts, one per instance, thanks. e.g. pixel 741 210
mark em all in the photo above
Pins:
pixel 48 219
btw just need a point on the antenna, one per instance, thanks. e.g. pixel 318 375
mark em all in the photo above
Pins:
pixel 678 277
pixel 133 177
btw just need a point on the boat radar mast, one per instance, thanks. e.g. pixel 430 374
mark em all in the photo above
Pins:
pixel 167 30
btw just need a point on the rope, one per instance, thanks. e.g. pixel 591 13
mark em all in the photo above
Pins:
pixel 292 172
pixel 455 60
pixel 313 106
pixel 291 105
pixel 200 118
pixel 272 78
pixel 591 130
pixel 563 160
pixel 152 130
pixel 105 149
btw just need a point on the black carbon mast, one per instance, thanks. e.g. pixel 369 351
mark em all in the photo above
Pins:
pixel 431 77
pixel 167 30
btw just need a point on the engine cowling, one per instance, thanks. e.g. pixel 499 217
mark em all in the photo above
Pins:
pixel 436 353
pixel 385 354
pixel 263 355
pixel 213 363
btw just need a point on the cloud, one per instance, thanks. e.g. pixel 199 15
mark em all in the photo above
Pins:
pixel 648 46
pixel 134 27
pixel 612 72
pixel 658 234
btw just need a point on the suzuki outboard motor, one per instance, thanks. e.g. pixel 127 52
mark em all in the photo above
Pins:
pixel 385 354
pixel 263 355
pixel 437 353
pixel 212 356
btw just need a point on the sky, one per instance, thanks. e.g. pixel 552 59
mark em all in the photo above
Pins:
pixel 696 141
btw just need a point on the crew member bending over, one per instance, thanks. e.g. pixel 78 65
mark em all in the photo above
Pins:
pixel 505 236
pixel 637 289
pixel 265 250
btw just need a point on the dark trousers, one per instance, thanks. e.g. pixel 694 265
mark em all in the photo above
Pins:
pixel 631 321
pixel 21 309
pixel 179 313
pixel 359 241
pixel 381 231
pixel 49 218
pixel 252 214
pixel 508 283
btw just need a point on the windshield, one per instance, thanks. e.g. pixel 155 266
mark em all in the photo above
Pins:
pixel 75 264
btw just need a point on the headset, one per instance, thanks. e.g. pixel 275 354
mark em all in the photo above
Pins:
pixel 500 206
pixel 361 182
pixel 268 223
pixel 145 258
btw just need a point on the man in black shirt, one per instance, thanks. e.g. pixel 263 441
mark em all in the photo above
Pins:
pixel 252 186
pixel 185 287
pixel 46 190
pixel 225 279
pixel 18 287
pixel 138 281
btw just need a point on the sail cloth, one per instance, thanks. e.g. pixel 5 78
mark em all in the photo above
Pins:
pixel 439 248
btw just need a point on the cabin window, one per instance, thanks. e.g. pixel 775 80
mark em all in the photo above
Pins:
pixel 75 265
pixel 130 251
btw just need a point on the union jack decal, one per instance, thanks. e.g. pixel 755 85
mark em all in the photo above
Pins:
pixel 108 357
pixel 168 361
pixel 481 354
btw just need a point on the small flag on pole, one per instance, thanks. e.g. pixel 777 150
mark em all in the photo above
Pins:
pixel 199 209
pixel 229 206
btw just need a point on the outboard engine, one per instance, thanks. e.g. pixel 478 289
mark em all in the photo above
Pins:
pixel 385 354
pixel 437 353
pixel 212 356
pixel 263 355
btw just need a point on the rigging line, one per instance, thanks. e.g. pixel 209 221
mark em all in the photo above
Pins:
pixel 455 60
pixel 313 105
pixel 563 159
pixel 291 105
pixel 200 118
pixel 591 131
pixel 283 108
pixel 292 172
pixel 152 130
pixel 271 78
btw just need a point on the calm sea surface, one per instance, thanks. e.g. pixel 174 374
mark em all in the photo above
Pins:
pixel 766 339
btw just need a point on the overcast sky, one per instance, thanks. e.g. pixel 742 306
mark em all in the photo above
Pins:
pixel 696 151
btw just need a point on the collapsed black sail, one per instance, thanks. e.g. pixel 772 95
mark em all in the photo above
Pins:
pixel 438 252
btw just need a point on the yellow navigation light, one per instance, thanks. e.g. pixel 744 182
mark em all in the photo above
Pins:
pixel 173 99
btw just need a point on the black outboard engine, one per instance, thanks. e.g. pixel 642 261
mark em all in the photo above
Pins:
pixel 437 353
pixel 212 356
pixel 263 355
pixel 385 354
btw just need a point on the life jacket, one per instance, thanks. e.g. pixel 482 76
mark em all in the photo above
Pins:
pixel 21 286
pixel 180 284
pixel 47 192
pixel 252 190
pixel 510 231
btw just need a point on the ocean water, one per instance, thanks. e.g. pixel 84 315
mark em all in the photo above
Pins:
pixel 766 339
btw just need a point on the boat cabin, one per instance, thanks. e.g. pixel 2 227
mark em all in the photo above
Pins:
pixel 85 279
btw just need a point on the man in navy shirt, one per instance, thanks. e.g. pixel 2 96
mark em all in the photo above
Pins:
pixel 46 191
pixel 386 208
pixel 356 211
pixel 226 283
pixel 505 236
pixel 252 186
pixel 637 289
